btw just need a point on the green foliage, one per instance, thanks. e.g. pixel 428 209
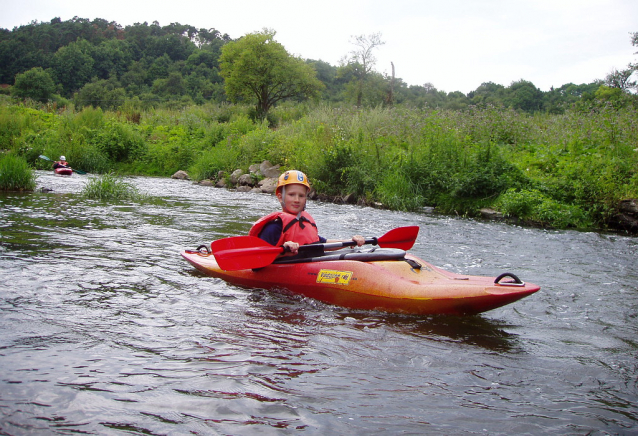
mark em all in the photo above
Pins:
pixel 16 174
pixel 174 65
pixel 259 70
pixel 334 171
pixel 525 96
pixel 485 174
pixel 564 170
pixel 106 94
pixel 396 191
pixel 110 187
pixel 88 158
pixel 535 206
pixel 11 126
pixel 35 84
pixel 73 65
pixel 119 142
pixel 212 161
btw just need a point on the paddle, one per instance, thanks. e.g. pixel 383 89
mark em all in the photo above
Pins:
pixel 76 170
pixel 249 252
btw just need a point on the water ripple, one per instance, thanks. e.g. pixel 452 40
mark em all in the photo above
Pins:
pixel 106 330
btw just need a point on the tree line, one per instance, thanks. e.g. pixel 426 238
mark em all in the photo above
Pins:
pixel 102 64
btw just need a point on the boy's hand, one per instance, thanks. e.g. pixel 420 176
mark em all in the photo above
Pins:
pixel 293 247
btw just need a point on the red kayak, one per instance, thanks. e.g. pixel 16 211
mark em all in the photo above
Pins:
pixel 385 279
pixel 63 171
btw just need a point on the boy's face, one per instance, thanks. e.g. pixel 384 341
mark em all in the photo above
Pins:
pixel 295 198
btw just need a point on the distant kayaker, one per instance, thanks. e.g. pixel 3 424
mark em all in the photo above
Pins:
pixel 62 163
pixel 293 226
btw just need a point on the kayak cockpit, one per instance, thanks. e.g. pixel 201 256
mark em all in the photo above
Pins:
pixel 375 254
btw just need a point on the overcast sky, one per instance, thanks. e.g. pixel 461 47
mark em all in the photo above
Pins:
pixel 453 44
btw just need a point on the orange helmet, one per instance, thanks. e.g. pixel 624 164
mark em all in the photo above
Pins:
pixel 292 177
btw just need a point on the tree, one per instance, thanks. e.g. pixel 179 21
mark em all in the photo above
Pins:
pixel 525 96
pixel 35 84
pixel 259 70
pixel 73 65
pixel 621 79
pixel 173 85
pixel 488 93
pixel 111 57
pixel 361 60
pixel 135 77
pixel 329 76
pixel 106 94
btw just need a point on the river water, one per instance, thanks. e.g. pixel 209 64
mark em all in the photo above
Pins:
pixel 106 330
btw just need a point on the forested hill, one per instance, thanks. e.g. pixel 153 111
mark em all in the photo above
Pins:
pixel 99 62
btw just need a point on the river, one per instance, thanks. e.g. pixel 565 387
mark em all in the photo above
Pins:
pixel 107 330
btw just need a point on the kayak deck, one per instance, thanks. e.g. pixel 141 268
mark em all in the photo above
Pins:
pixel 388 280
pixel 63 171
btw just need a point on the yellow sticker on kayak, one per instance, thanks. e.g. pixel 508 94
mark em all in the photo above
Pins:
pixel 334 277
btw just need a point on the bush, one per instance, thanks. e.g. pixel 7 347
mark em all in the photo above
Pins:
pixel 212 161
pixel 35 84
pixel 88 158
pixel 120 142
pixel 485 175
pixel 333 172
pixel 535 206
pixel 16 174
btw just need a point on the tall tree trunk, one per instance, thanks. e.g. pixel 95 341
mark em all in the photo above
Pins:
pixel 390 98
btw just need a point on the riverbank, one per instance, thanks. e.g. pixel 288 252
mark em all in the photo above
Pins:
pixel 570 170
pixel 262 178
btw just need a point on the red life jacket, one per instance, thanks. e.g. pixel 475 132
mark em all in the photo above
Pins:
pixel 300 229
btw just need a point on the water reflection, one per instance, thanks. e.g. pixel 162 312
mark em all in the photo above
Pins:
pixel 471 330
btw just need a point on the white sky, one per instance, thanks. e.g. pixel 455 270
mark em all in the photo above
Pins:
pixel 454 44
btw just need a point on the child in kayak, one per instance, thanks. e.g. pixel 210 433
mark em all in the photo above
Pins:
pixel 293 226
pixel 62 163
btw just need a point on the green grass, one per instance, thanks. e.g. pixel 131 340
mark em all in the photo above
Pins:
pixel 16 174
pixel 110 187
pixel 567 170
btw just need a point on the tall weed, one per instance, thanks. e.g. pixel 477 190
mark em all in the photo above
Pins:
pixel 214 160
pixel 111 187
pixel 16 174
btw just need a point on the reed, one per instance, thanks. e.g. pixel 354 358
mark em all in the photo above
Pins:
pixel 16 174
pixel 110 187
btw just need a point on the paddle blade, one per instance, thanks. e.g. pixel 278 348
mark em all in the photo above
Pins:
pixel 244 252
pixel 402 238
pixel 44 157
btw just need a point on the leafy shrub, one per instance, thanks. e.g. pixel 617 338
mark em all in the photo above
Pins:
pixel 486 176
pixel 89 158
pixel 212 161
pixel 216 134
pixel 335 166
pixel 536 206
pixel 253 146
pixel 35 84
pixel 120 142
pixel 16 174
